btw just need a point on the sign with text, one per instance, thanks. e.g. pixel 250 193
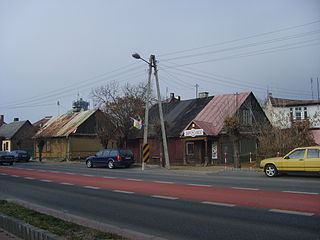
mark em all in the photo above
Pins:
pixel 193 132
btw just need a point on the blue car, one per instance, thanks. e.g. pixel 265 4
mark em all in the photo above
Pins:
pixel 111 158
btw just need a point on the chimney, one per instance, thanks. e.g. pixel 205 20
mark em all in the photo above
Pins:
pixel 203 94
pixel 171 95
pixel 16 119
pixel 1 120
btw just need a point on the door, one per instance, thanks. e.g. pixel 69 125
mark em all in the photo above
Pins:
pixel 312 162
pixel 294 161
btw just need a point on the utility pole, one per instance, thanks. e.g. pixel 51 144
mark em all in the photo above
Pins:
pixel 153 64
pixel 146 112
pixel 318 88
pixel 311 80
pixel 163 130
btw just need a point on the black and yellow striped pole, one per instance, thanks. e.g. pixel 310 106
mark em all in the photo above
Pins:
pixel 146 152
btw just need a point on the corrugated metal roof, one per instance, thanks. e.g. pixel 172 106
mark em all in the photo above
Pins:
pixel 211 118
pixel 282 102
pixel 63 125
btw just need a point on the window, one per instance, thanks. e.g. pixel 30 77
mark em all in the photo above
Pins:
pixel 113 153
pixel 313 153
pixel 298 113
pixel 297 154
pixel 100 153
pixel 291 113
pixel 305 113
pixel 247 119
pixel 190 148
pixel 48 146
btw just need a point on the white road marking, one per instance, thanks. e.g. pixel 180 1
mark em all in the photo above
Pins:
pixel 220 204
pixel 133 179
pixel 121 191
pixel 312 193
pixel 4 174
pixel 291 212
pixel 45 180
pixel 15 176
pixel 88 175
pixel 242 188
pixel 163 182
pixel 92 187
pixel 65 183
pixel 30 178
pixel 164 197
pixel 199 185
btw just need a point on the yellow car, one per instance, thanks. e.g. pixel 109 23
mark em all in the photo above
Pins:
pixel 303 159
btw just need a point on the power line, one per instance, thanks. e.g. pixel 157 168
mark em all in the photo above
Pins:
pixel 285 38
pixel 244 38
pixel 255 53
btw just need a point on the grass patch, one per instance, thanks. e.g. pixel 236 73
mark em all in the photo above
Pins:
pixel 54 225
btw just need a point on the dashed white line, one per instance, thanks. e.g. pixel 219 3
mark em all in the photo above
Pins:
pixel 65 183
pixel 312 193
pixel 291 212
pixel 243 188
pixel 164 197
pixel 199 185
pixel 4 174
pixel 163 182
pixel 219 204
pixel 121 191
pixel 30 178
pixel 92 187
pixel 133 179
pixel 88 175
pixel 45 180
pixel 15 176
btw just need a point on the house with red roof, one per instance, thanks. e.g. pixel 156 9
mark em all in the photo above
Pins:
pixel 195 128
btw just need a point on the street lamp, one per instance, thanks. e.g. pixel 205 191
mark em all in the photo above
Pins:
pixel 152 64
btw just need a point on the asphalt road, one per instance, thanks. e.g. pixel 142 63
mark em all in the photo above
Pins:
pixel 169 218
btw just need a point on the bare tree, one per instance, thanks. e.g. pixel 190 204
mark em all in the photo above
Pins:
pixel 233 127
pixel 120 105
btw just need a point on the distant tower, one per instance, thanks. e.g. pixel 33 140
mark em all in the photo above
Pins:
pixel 80 105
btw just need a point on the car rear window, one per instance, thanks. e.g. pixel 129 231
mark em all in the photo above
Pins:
pixel 125 152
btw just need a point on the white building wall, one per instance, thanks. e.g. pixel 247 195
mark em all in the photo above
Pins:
pixel 281 116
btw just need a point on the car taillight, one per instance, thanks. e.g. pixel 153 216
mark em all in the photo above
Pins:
pixel 119 158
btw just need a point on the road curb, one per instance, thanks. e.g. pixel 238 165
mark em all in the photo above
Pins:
pixel 128 233
pixel 24 230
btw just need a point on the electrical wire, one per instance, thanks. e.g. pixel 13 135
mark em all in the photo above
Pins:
pixel 243 38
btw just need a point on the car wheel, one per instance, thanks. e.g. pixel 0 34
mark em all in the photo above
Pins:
pixel 270 170
pixel 89 164
pixel 110 164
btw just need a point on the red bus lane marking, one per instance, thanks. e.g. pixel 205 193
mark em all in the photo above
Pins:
pixel 261 199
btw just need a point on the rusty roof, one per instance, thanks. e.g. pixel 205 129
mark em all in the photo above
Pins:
pixel 63 125
pixel 283 102
pixel 211 118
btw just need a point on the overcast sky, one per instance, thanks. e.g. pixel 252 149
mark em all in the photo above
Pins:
pixel 57 50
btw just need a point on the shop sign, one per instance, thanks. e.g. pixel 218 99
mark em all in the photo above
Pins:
pixel 193 132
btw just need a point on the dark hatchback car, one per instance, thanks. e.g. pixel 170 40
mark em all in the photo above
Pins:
pixel 20 155
pixel 5 157
pixel 111 158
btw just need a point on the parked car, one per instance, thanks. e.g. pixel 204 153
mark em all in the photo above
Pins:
pixel 303 159
pixel 5 157
pixel 20 155
pixel 111 158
